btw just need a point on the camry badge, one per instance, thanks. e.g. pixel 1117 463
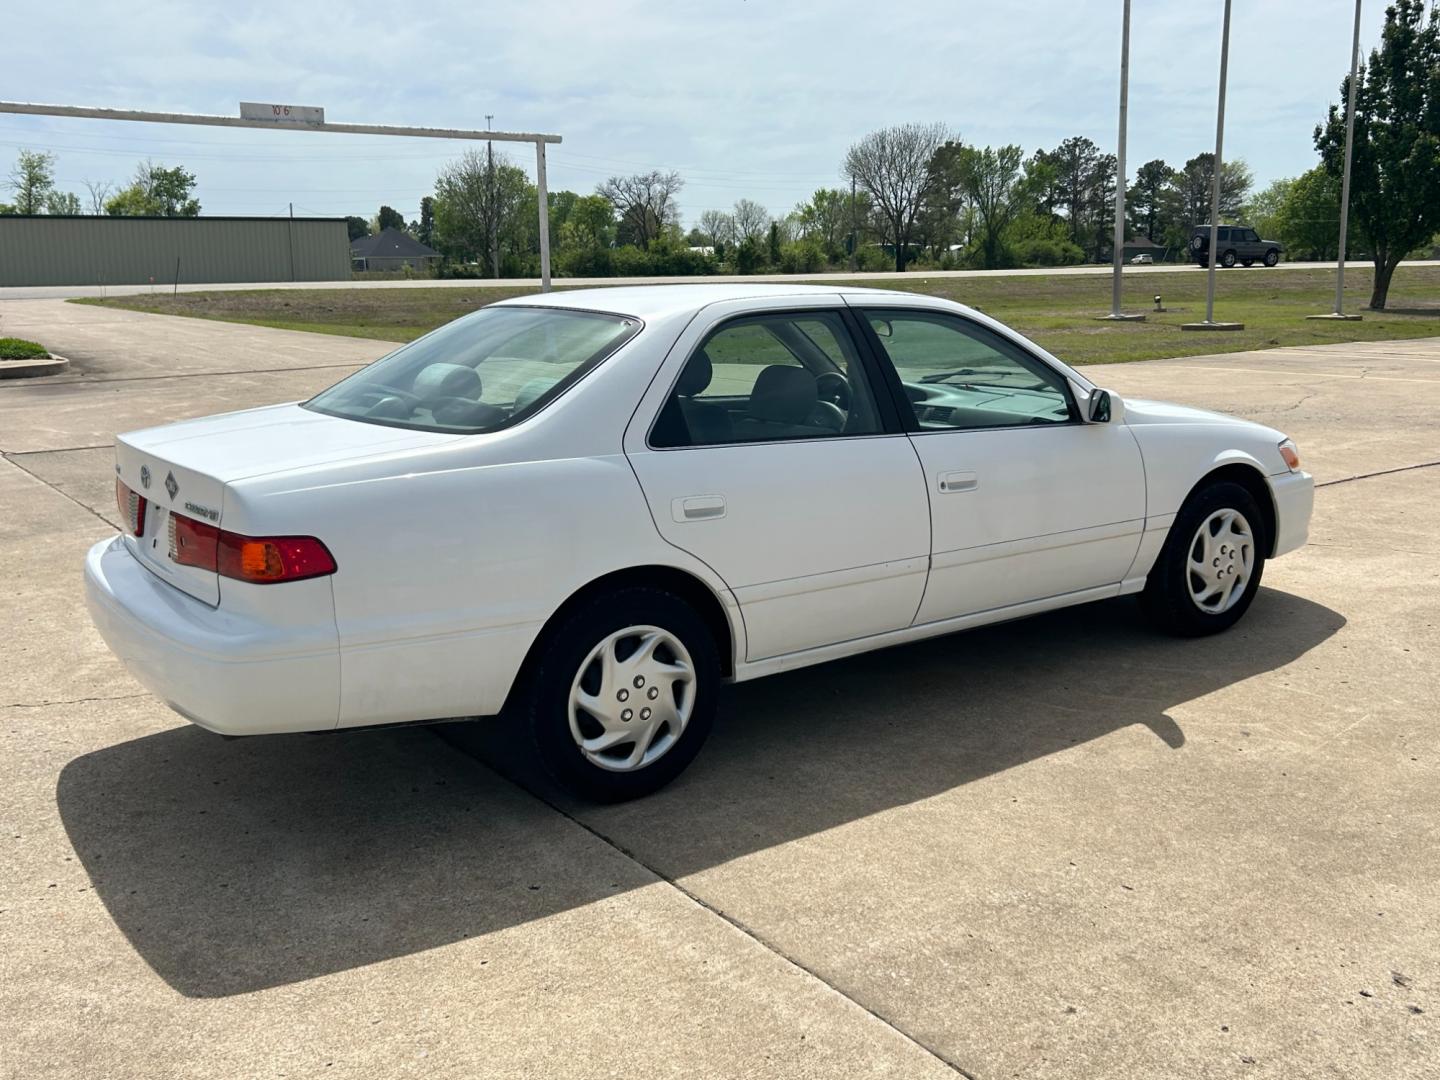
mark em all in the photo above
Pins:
pixel 145 476
pixel 171 486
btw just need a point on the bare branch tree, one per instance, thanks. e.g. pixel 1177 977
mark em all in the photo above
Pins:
pixel 893 166
pixel 752 221
pixel 718 226
pixel 99 191
pixel 645 202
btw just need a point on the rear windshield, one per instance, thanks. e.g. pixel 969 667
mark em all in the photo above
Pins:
pixel 483 372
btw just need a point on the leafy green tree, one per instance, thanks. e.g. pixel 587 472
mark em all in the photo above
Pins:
pixel 995 186
pixel 481 210
pixel 774 249
pixel 425 229
pixel 893 166
pixel 156 192
pixel 826 218
pixel 1145 198
pixel 357 227
pixel 939 222
pixel 1307 221
pixel 1395 174
pixel 63 203
pixel 1262 211
pixel 1196 180
pixel 32 180
pixel 390 218
pixel 590 225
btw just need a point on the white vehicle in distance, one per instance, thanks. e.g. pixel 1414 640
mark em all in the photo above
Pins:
pixel 583 511
pixel 1142 259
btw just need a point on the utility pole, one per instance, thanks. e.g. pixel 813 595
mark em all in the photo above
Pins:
pixel 1219 166
pixel 1339 312
pixel 1119 244
pixel 854 229
pixel 492 222
pixel 290 235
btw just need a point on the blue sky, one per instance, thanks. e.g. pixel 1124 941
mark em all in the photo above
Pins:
pixel 744 98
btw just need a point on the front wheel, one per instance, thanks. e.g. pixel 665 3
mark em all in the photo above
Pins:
pixel 624 695
pixel 1209 570
pixel 1272 257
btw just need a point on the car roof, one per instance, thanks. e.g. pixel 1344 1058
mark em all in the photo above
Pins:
pixel 654 301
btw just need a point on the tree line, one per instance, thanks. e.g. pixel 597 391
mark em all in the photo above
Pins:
pixel 153 191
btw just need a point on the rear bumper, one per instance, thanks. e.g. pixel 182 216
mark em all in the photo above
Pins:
pixel 223 671
pixel 1294 495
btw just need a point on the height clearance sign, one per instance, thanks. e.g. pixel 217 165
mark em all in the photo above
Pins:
pixel 282 114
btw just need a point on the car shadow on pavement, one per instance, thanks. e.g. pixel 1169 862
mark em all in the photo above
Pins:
pixel 233 866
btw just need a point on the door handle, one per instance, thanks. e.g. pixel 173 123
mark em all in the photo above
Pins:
pixel 697 508
pixel 963 480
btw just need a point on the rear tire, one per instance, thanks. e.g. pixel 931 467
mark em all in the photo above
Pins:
pixel 1209 570
pixel 636 661
pixel 1228 260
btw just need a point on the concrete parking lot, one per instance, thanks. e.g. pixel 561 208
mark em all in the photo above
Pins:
pixel 1063 847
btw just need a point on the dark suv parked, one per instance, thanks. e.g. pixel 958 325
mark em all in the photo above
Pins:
pixel 1236 244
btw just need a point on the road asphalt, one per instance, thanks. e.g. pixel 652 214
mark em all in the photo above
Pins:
pixel 1062 847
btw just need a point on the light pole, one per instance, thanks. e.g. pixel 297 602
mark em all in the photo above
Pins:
pixel 1219 166
pixel 1339 312
pixel 1119 245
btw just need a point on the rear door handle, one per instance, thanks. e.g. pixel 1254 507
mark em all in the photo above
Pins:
pixel 697 508
pixel 962 480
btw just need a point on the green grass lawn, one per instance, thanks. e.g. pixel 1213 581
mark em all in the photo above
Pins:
pixel 1056 310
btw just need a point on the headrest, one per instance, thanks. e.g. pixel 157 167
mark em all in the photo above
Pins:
pixel 447 380
pixel 783 395
pixel 696 376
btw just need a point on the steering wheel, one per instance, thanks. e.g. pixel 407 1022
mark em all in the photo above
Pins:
pixel 828 415
pixel 379 391
pixel 833 389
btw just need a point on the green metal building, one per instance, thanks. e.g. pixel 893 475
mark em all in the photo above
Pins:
pixel 103 250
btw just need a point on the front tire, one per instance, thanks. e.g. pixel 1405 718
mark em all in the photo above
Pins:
pixel 624 694
pixel 1272 257
pixel 1209 570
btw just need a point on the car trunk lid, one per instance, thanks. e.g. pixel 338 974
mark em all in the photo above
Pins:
pixel 184 468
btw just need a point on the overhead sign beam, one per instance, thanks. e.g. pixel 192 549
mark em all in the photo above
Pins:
pixel 312 118
pixel 87 112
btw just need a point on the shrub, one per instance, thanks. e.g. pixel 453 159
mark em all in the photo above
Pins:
pixel 14 348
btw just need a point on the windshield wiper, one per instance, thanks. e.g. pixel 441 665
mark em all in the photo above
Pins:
pixel 941 376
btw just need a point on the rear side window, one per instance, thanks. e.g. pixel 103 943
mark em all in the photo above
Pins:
pixel 767 378
pixel 479 373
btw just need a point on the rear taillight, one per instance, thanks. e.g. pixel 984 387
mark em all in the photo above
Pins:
pixel 193 543
pixel 266 559
pixel 131 507
pixel 261 560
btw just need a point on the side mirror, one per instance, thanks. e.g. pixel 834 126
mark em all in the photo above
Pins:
pixel 1105 407
pixel 882 327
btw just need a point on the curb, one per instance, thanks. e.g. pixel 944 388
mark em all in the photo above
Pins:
pixel 31 369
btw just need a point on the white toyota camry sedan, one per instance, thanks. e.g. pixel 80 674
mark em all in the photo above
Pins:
pixel 583 511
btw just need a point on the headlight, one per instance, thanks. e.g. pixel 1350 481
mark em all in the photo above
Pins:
pixel 1291 453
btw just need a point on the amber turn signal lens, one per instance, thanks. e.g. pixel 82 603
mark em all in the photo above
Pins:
pixel 1291 454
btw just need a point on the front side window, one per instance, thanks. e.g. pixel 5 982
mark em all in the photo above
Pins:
pixel 764 378
pixel 479 373
pixel 958 374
